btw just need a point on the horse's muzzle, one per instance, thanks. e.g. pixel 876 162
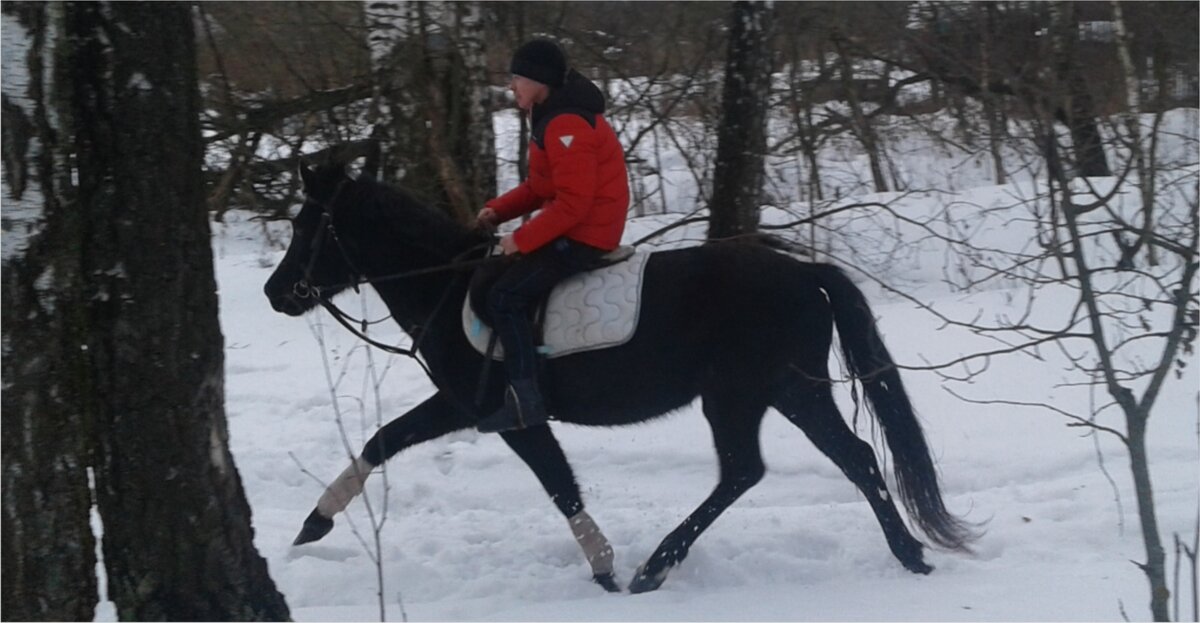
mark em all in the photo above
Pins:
pixel 289 302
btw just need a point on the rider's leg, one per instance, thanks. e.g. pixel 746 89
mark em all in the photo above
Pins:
pixel 510 303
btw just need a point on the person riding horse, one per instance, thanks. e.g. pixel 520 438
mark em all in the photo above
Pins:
pixel 579 182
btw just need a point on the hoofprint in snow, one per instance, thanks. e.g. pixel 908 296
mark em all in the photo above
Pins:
pixel 470 535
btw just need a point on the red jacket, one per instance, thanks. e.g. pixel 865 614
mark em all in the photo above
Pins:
pixel 577 175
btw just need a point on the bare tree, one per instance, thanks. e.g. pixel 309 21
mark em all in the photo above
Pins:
pixel 1173 290
pixel 1133 321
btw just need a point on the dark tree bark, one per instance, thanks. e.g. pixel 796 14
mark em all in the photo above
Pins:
pixel 741 137
pixel 992 110
pixel 122 365
pixel 49 563
pixel 178 544
pixel 864 128
pixel 1078 109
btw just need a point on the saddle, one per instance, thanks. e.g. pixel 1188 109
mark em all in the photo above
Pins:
pixel 597 308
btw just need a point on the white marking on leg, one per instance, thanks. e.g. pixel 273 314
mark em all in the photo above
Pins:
pixel 595 547
pixel 344 488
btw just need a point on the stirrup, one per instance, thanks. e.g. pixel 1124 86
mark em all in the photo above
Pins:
pixel 516 414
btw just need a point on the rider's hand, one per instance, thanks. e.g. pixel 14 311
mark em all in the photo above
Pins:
pixel 487 219
pixel 509 245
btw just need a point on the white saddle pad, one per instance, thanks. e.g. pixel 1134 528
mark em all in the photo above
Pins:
pixel 591 310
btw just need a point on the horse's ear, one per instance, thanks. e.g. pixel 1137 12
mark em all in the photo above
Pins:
pixel 308 176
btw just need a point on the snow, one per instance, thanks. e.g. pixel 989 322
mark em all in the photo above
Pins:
pixel 469 534
pixel 139 82
pixel 17 42
pixel 22 215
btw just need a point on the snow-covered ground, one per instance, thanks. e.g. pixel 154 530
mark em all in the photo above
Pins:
pixel 470 534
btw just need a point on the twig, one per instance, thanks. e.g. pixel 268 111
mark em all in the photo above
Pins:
pixel 377 521
pixel 1076 421
pixel 1191 554
pixel 1103 468
pixel 1175 587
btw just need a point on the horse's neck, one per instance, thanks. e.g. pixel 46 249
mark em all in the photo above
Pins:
pixel 412 299
pixel 413 296
pixel 418 302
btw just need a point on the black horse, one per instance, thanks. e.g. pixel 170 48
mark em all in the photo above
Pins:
pixel 738 324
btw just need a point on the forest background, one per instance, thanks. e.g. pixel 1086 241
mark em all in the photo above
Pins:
pixel 131 129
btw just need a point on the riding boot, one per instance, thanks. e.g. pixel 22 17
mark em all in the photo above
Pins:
pixel 523 407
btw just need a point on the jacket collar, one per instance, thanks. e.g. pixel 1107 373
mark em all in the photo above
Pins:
pixel 577 95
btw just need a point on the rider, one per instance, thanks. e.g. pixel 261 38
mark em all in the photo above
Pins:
pixel 578 180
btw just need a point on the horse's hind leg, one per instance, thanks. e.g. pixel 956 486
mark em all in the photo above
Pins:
pixel 429 420
pixel 809 404
pixel 735 434
pixel 540 451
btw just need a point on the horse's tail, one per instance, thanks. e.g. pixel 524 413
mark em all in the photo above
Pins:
pixel 869 361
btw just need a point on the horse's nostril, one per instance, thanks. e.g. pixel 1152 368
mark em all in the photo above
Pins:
pixel 287 304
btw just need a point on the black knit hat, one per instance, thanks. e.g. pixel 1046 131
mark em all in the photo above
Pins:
pixel 541 60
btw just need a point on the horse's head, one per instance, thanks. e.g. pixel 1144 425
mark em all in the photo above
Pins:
pixel 315 265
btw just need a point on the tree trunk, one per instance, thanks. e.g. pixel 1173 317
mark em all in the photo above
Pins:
pixel 519 18
pixel 1077 110
pixel 1133 104
pixel 478 136
pixel 1080 119
pixel 1155 566
pixel 1137 411
pixel 49 564
pixel 741 136
pixel 178 542
pixel 863 127
pixel 435 113
pixel 991 107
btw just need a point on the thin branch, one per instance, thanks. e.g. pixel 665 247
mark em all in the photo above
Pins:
pixel 1076 421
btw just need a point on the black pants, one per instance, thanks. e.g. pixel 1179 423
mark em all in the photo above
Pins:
pixel 522 286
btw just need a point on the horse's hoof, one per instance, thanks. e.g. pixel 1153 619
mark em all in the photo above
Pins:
pixel 315 528
pixel 608 581
pixel 919 566
pixel 644 582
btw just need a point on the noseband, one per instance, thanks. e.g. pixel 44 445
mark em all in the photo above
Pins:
pixel 302 288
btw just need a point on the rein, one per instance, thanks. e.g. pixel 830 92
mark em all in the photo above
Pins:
pixel 357 326
pixel 346 320
pixel 453 265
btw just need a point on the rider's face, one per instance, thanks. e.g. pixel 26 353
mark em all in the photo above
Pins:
pixel 528 92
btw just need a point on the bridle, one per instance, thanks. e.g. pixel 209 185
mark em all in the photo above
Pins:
pixel 303 288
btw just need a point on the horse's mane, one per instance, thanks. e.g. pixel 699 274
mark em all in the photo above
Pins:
pixel 405 214
pixel 389 199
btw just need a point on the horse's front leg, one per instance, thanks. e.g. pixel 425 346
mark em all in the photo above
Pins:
pixel 429 420
pixel 541 452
